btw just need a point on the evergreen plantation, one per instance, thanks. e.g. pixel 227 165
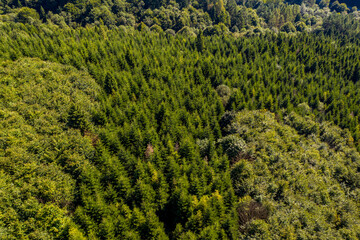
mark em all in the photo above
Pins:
pixel 135 131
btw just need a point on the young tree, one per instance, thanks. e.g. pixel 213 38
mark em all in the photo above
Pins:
pixel 200 46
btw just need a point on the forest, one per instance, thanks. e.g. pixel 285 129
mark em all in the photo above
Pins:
pixel 179 119
pixel 212 17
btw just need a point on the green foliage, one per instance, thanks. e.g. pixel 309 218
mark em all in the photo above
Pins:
pixel 300 26
pixel 200 42
pixel 336 6
pixel 233 146
pixel 288 27
pixel 244 17
pixel 38 153
pixel 27 15
pixel 291 168
pixel 108 132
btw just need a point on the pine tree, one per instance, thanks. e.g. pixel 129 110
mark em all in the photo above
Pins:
pixel 200 42
pixel 110 83
pixel 356 73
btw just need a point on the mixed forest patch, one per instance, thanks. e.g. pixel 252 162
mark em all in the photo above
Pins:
pixel 179 119
pixel 112 133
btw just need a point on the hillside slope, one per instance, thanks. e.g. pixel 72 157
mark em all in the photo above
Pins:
pixel 44 108
pixel 297 179
pixel 122 134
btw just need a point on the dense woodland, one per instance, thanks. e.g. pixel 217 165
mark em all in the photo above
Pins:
pixel 179 120
pixel 213 17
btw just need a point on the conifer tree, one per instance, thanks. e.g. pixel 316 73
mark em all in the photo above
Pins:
pixel 200 46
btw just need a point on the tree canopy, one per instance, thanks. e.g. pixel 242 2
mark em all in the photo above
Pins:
pixel 179 120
